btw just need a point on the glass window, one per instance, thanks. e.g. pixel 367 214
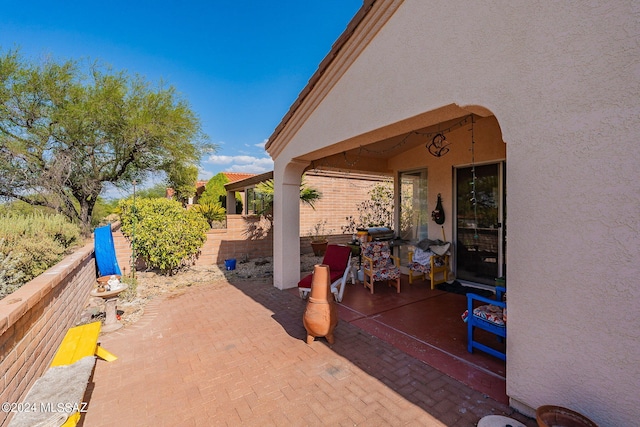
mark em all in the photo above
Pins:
pixel 255 203
pixel 414 218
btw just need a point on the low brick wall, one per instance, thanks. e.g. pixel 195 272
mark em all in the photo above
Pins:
pixel 35 318
pixel 246 237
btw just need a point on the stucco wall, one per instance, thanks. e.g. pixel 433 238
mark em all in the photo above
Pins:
pixel 562 80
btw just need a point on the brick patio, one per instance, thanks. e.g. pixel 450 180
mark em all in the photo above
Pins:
pixel 235 354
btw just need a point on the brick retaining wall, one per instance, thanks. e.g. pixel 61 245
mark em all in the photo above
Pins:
pixel 35 318
pixel 246 237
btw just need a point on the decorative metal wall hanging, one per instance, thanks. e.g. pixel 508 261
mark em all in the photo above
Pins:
pixel 439 146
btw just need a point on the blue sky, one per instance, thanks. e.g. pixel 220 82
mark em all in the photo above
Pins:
pixel 240 64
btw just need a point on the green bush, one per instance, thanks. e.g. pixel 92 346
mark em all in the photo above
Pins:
pixel 30 244
pixel 164 234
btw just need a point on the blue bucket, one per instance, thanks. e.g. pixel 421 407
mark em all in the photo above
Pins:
pixel 230 264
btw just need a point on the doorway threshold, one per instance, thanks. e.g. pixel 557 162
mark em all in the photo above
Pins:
pixel 477 285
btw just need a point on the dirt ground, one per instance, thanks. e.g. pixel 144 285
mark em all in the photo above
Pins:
pixel 151 285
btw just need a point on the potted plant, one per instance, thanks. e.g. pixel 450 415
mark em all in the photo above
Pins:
pixel 318 237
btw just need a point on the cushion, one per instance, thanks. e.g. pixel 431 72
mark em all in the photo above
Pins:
pixel 337 257
pixel 306 281
pixel 389 273
pixel 490 313
pixel 421 268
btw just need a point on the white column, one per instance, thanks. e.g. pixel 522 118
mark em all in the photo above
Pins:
pixel 286 223
pixel 231 203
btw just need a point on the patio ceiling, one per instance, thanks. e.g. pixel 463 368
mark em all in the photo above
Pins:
pixel 370 151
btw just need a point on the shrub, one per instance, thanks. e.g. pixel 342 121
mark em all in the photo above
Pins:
pixel 164 234
pixel 11 278
pixel 30 244
pixel 212 212
pixel 375 212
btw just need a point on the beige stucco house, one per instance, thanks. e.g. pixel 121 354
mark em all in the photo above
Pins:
pixel 534 109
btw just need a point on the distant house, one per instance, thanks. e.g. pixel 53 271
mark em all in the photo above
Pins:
pixel 201 186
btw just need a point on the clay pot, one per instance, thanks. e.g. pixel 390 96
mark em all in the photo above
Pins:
pixel 551 415
pixel 321 316
pixel 320 247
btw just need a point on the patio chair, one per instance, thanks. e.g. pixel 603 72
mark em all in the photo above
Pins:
pixel 430 262
pixel 338 258
pixel 491 317
pixel 378 264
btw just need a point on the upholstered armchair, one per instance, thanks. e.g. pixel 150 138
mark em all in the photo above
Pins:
pixel 378 264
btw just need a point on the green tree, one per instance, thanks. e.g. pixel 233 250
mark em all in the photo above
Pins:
pixel 66 130
pixel 158 191
pixel 308 195
pixel 182 178
pixel 214 191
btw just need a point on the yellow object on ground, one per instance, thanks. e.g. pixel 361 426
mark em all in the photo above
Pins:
pixel 81 341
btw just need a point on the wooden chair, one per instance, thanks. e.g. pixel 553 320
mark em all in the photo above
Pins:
pixel 378 264
pixel 438 264
pixel 492 317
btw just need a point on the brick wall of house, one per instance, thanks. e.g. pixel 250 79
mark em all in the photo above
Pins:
pixel 341 195
pixel 35 318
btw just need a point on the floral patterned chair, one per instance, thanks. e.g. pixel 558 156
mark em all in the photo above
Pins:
pixel 378 264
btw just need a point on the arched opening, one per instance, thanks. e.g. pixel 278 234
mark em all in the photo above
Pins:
pixel 436 155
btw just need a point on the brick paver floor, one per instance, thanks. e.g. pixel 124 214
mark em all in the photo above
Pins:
pixel 235 354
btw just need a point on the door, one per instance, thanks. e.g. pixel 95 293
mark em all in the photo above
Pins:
pixel 480 232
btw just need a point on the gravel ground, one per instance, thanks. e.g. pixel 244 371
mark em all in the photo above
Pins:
pixel 150 285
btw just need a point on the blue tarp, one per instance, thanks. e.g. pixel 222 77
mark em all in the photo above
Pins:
pixel 105 252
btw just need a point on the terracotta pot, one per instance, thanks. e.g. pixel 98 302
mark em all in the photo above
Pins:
pixel 551 415
pixel 321 316
pixel 319 248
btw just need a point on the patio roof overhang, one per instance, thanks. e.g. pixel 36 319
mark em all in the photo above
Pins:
pixel 249 182
pixel 370 151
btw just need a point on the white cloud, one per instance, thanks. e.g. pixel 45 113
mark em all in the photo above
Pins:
pixel 261 144
pixel 243 163
pixel 204 175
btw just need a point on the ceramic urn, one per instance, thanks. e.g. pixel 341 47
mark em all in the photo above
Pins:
pixel 321 316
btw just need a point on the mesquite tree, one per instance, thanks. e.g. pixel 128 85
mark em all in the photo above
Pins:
pixel 67 130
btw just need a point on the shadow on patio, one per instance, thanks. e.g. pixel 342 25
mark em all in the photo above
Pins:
pixel 211 354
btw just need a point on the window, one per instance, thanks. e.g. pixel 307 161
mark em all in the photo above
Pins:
pixel 414 218
pixel 255 203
